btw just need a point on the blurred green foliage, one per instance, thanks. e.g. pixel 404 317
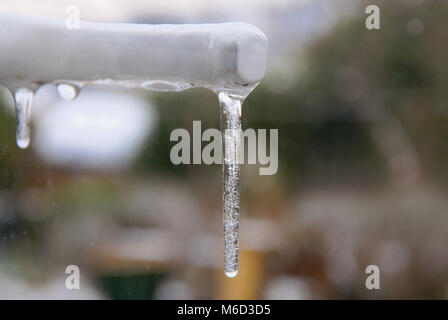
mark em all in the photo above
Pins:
pixel 131 286
pixel 323 138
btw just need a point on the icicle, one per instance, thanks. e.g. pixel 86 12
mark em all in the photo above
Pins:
pixel 231 135
pixel 23 99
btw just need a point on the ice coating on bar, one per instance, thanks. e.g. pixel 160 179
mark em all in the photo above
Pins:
pixel 226 55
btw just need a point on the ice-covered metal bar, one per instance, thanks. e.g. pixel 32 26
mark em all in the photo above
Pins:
pixel 36 50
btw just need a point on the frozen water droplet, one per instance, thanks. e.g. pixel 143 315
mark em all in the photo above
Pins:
pixel 160 85
pixel 231 274
pixel 23 98
pixel 231 139
pixel 68 91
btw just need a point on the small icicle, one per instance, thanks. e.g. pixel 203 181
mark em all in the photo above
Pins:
pixel 23 98
pixel 68 91
pixel 231 135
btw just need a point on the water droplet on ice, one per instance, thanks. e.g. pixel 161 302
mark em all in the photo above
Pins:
pixel 160 85
pixel 68 91
pixel 231 274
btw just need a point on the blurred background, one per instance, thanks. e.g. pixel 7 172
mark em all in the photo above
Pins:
pixel 362 178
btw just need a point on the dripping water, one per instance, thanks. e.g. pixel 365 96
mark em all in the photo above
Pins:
pixel 231 138
pixel 23 99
